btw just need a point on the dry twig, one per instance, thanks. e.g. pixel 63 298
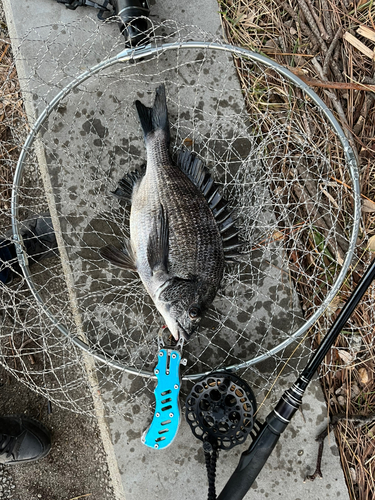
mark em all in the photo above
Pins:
pixel 329 53
pixel 327 18
pixel 319 23
pixel 305 29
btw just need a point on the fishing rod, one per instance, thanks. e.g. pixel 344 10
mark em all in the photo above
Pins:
pixel 221 409
pixel 253 459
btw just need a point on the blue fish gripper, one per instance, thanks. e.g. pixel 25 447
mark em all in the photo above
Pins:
pixel 166 420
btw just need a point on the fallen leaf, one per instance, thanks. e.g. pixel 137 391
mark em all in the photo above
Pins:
pixel 371 243
pixel 341 391
pixel 271 44
pixel 333 400
pixel 277 235
pixel 353 475
pixel 346 356
pixel 248 18
pixel 293 256
pixel 355 391
pixel 298 71
pixel 368 206
pixel 363 376
pixel 359 45
pixel 188 142
pixel 371 432
pixel 366 32
pixel 335 304
pixel 341 400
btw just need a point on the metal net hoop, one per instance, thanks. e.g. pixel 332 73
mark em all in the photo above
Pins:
pixel 98 347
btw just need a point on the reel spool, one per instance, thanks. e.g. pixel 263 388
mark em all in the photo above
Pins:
pixel 220 410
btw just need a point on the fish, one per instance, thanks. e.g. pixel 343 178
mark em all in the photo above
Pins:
pixel 182 233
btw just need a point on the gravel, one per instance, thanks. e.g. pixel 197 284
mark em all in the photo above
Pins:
pixel 7 485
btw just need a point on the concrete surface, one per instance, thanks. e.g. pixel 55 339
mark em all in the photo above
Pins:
pixel 179 470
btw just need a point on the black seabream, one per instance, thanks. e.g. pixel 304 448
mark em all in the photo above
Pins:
pixel 181 232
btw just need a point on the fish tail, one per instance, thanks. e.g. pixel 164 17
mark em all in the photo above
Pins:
pixel 156 117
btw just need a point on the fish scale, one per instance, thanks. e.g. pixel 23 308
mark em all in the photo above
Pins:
pixel 195 242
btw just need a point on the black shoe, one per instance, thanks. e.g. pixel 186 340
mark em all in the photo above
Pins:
pixel 22 440
pixel 39 237
pixel 39 240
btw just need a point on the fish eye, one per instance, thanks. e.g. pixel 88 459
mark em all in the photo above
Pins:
pixel 194 312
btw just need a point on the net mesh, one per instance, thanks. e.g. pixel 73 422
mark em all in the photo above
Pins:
pixel 268 145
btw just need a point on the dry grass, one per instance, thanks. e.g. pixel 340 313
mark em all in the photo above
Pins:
pixel 12 118
pixel 318 41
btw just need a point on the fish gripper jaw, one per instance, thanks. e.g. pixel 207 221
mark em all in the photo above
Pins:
pixel 166 420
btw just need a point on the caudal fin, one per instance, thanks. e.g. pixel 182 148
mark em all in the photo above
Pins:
pixel 156 117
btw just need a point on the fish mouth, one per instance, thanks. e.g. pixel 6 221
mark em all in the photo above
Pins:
pixel 185 334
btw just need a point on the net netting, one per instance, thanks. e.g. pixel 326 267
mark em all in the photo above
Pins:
pixel 275 152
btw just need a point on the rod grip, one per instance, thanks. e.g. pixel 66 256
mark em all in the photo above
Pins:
pixel 253 459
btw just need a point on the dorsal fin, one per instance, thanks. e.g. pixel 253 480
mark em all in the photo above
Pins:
pixel 193 167
pixel 199 175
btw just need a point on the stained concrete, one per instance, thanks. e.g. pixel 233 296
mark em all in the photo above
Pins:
pixel 76 130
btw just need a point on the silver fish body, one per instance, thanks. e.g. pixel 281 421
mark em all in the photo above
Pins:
pixel 176 242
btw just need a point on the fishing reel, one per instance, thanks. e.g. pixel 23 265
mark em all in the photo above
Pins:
pixel 133 15
pixel 134 23
pixel 220 410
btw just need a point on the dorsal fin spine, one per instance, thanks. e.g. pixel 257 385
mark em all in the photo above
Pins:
pixel 215 201
pixel 224 216
pixel 213 195
pixel 232 247
pixel 207 187
pixel 218 212
pixel 230 236
pixel 224 228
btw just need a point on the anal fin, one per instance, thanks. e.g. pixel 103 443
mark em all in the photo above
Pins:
pixel 126 185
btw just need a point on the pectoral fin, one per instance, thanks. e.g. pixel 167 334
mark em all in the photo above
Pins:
pixel 158 244
pixel 121 258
